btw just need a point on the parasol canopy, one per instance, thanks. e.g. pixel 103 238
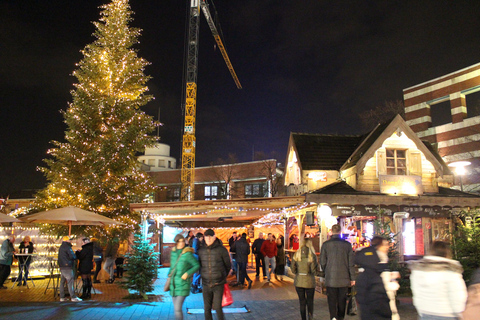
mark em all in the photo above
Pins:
pixel 70 216
pixel 7 218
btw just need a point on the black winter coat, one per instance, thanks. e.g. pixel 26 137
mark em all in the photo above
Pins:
pixel 66 256
pixel 371 294
pixel 242 249
pixel 85 257
pixel 215 263
pixel 257 246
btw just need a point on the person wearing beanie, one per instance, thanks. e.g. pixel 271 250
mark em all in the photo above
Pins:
pixel 182 266
pixel 215 265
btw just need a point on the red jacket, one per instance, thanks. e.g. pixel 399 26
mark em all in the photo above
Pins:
pixel 269 248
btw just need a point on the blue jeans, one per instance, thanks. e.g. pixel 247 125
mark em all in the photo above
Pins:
pixel 242 266
pixel 272 262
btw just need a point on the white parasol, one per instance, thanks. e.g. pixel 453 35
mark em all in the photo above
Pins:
pixel 70 216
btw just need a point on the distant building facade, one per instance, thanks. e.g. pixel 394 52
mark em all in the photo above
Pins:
pixel 445 112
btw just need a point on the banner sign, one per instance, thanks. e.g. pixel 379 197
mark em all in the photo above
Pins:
pixel 224 213
pixel 400 185
pixel 414 211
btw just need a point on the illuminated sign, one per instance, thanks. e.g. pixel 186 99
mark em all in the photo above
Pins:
pixel 222 213
pixel 318 176
pixel 401 185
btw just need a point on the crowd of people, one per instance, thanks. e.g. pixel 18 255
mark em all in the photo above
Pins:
pixel 83 262
pixel 200 263
pixel 439 291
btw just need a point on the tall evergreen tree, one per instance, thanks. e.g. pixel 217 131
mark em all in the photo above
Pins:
pixel 96 168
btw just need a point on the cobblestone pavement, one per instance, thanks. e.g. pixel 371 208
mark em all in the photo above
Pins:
pixel 277 300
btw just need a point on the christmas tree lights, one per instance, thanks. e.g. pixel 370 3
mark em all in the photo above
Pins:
pixel 96 168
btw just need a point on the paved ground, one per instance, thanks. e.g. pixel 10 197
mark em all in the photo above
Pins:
pixel 277 300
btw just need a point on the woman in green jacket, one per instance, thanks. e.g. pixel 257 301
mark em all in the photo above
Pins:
pixel 182 266
pixel 305 267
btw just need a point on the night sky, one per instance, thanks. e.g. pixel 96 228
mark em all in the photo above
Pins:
pixel 305 66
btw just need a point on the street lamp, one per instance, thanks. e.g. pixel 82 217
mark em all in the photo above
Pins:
pixel 460 169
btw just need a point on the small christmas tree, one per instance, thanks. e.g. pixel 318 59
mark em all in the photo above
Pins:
pixel 142 264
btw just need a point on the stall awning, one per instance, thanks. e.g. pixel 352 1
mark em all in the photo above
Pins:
pixel 347 201
pixel 219 213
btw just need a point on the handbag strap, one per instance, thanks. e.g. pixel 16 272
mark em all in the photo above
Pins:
pixel 175 265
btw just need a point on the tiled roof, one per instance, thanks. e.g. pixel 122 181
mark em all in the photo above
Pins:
pixel 341 187
pixel 324 151
pixel 367 140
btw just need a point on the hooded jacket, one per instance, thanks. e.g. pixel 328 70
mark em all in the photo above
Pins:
pixel 438 287
pixel 215 263
pixel 66 256
pixel 187 263
pixel 305 268
pixel 371 293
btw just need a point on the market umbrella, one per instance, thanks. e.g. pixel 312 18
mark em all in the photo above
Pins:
pixel 70 216
pixel 6 218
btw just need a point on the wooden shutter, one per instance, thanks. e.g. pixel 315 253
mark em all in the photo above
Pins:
pixel 381 162
pixel 414 160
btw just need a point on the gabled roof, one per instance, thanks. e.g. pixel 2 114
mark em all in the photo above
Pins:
pixel 324 151
pixel 336 152
pixel 376 138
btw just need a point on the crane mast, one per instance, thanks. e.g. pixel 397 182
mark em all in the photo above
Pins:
pixel 189 141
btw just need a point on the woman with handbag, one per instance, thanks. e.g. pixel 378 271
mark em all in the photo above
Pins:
pixel 305 267
pixel 182 266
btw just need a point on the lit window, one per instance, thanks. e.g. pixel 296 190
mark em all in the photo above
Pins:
pixel 213 192
pixel 256 190
pixel 396 162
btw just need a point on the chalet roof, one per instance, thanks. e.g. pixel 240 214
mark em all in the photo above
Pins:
pixel 366 143
pixel 341 187
pixel 336 152
pixel 324 151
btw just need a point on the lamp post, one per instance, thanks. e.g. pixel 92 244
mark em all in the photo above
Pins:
pixel 460 169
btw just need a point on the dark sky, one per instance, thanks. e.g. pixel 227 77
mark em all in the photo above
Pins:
pixel 305 66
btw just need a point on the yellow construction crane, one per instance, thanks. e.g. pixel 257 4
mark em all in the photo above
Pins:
pixel 188 147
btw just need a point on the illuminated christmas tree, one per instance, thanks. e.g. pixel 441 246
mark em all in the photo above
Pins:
pixel 96 168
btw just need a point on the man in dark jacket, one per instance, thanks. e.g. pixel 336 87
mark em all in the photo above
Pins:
pixel 259 263
pixel 215 265
pixel 337 261
pixel 242 250
pixel 66 258
pixel 231 242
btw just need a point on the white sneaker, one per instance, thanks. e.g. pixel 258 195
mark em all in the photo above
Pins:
pixel 63 299
pixel 77 299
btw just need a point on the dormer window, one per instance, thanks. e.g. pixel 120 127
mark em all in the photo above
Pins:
pixel 396 162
